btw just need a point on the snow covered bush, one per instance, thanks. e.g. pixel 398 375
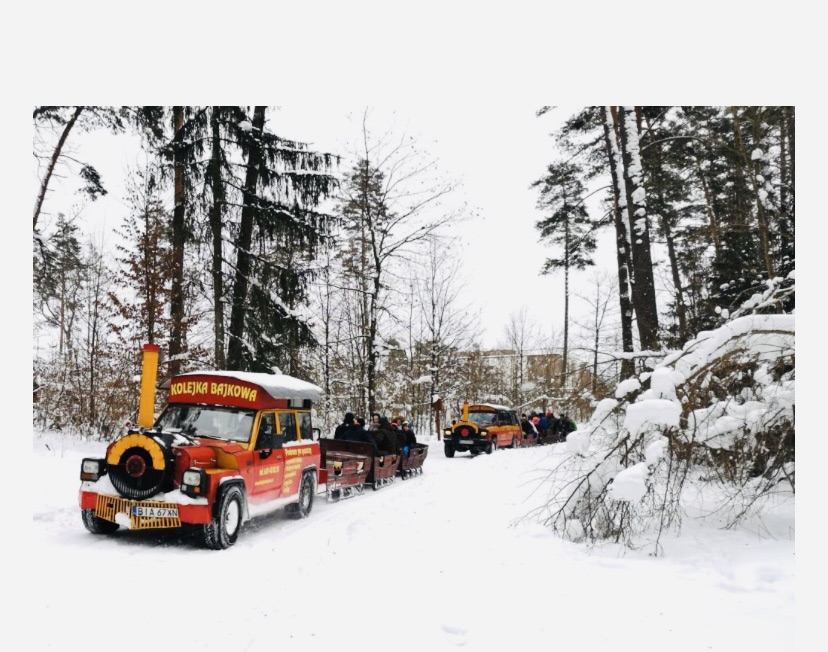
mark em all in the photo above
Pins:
pixel 717 416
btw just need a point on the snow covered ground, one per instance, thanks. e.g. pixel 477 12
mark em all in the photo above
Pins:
pixel 431 563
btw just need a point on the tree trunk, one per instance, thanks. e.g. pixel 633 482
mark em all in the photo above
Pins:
pixel 643 289
pixel 178 238
pixel 711 215
pixel 622 248
pixel 44 185
pixel 372 341
pixel 667 231
pixel 760 207
pixel 241 283
pixel 566 301
pixel 216 230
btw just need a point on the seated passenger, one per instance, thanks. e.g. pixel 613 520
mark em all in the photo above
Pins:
pixel 386 437
pixel 357 432
pixel 410 437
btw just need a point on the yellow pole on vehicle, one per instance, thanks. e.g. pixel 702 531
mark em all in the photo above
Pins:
pixel 149 374
pixel 465 416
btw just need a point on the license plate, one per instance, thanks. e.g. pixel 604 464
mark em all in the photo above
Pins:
pixel 155 512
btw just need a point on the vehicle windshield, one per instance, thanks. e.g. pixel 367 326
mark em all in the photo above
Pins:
pixel 482 418
pixel 234 424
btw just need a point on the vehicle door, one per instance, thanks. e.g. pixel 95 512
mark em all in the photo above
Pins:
pixel 514 431
pixel 499 429
pixel 288 428
pixel 268 459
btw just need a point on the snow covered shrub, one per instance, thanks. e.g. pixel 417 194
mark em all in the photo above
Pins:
pixel 719 414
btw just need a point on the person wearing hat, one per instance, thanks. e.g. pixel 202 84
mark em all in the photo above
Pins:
pixel 410 438
pixel 357 432
pixel 339 433
pixel 386 437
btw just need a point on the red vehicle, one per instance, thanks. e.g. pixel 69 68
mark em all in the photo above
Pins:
pixel 228 446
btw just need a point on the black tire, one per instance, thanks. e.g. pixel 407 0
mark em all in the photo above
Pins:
pixel 227 521
pixel 449 450
pixel 306 496
pixel 490 448
pixel 97 525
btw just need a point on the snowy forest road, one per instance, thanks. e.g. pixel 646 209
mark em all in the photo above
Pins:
pixel 434 562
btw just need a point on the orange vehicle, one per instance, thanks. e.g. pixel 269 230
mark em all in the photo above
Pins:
pixel 483 427
pixel 228 446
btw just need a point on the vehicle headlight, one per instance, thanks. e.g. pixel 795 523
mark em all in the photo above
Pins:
pixel 447 431
pixel 194 482
pixel 483 433
pixel 92 469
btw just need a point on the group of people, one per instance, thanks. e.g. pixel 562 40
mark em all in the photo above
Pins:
pixel 539 423
pixel 381 433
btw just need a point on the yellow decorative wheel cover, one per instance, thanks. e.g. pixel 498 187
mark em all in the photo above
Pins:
pixel 137 441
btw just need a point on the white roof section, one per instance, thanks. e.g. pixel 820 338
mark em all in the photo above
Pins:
pixel 277 385
pixel 492 405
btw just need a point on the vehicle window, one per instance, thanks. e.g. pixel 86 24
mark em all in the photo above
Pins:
pixel 287 421
pixel 513 420
pixel 267 430
pixel 305 425
pixel 482 418
pixel 208 421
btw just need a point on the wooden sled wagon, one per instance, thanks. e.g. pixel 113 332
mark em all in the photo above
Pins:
pixel 412 464
pixel 375 470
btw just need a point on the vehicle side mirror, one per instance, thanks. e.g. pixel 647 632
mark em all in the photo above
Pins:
pixel 316 433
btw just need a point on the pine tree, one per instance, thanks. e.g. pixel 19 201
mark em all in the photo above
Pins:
pixel 58 278
pixel 284 183
pixel 566 226
pixel 144 267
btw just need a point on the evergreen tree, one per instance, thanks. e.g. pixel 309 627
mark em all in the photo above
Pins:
pixel 284 183
pixel 144 267
pixel 58 279
pixel 566 226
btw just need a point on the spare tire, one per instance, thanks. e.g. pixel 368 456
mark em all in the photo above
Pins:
pixel 139 466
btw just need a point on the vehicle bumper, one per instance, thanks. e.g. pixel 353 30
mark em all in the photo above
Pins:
pixel 468 444
pixel 121 510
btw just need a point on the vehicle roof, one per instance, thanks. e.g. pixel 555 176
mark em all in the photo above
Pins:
pixel 277 385
pixel 490 406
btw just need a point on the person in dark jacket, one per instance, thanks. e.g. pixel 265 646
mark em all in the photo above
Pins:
pixel 527 426
pixel 375 422
pixel 410 438
pixel 357 432
pixel 386 437
pixel 342 428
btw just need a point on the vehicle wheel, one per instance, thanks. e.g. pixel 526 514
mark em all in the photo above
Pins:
pixel 224 530
pixel 489 448
pixel 449 450
pixel 494 445
pixel 97 525
pixel 306 495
